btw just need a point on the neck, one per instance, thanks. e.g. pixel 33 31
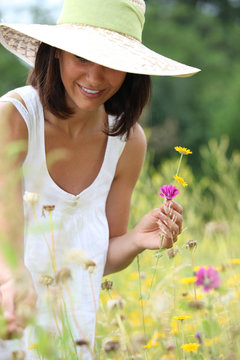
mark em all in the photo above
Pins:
pixel 79 122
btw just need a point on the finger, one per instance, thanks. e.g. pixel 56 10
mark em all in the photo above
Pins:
pixel 172 226
pixel 174 217
pixel 170 211
pixel 167 242
pixel 173 205
pixel 167 236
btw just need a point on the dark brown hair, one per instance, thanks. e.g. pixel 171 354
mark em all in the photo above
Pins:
pixel 127 104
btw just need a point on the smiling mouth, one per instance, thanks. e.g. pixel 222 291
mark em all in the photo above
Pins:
pixel 91 91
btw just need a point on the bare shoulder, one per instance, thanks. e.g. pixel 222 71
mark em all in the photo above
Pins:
pixel 136 144
pixel 134 153
pixel 137 137
pixel 11 120
pixel 13 126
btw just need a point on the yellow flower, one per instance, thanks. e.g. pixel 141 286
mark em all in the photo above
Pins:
pixel 32 347
pixel 182 317
pixel 151 344
pixel 190 347
pixel 183 150
pixel 234 280
pixel 180 180
pixel 134 318
pixel 174 326
pixel 235 261
pixel 196 268
pixel 209 342
pixel 222 320
pixel 154 341
pixel 134 276
pixel 188 280
pixel 158 335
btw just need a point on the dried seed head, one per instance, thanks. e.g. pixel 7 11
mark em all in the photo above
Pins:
pixel 115 321
pixel 107 285
pixel 48 208
pixel 115 303
pixel 138 340
pixel 46 280
pixel 79 257
pixel 196 304
pixel 191 244
pixel 172 252
pixel 18 355
pixel 90 266
pixel 63 275
pixel 111 345
pixel 82 342
pixel 171 347
pixel 31 198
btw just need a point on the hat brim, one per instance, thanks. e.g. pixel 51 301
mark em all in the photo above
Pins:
pixel 110 49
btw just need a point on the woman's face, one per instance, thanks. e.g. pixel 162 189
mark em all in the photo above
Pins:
pixel 87 84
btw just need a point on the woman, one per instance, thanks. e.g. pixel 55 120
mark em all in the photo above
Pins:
pixel 86 92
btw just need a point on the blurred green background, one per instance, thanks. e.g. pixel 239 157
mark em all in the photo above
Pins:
pixel 183 111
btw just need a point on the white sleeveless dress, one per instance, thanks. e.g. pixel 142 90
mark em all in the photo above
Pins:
pixel 79 222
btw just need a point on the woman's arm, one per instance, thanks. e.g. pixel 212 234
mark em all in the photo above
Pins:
pixel 160 224
pixel 13 130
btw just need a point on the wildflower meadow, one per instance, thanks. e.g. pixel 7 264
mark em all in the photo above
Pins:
pixel 180 303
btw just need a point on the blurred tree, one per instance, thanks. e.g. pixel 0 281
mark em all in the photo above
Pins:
pixel 14 71
pixel 226 10
pixel 189 111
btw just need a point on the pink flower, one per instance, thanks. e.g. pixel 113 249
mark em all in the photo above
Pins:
pixel 168 191
pixel 208 278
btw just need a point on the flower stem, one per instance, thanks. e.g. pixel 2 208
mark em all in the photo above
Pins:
pixel 72 309
pixel 155 270
pixel 179 164
pixel 141 299
pixel 95 307
pixel 182 337
pixel 43 235
pixel 64 315
pixel 52 240
pixel 194 285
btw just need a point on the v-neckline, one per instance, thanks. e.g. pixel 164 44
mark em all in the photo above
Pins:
pixel 57 187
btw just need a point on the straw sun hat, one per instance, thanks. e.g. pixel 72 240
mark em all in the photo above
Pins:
pixel 107 32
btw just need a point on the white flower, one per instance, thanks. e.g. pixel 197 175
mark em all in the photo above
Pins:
pixel 79 257
pixel 31 198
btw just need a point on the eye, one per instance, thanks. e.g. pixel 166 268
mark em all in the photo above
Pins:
pixel 81 59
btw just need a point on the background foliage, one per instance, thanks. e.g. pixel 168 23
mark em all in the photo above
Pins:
pixel 186 111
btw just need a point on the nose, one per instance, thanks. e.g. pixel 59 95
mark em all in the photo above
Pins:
pixel 95 74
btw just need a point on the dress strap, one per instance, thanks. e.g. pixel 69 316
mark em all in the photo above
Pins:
pixel 19 106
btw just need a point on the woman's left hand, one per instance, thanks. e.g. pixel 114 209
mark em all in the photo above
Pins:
pixel 160 227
